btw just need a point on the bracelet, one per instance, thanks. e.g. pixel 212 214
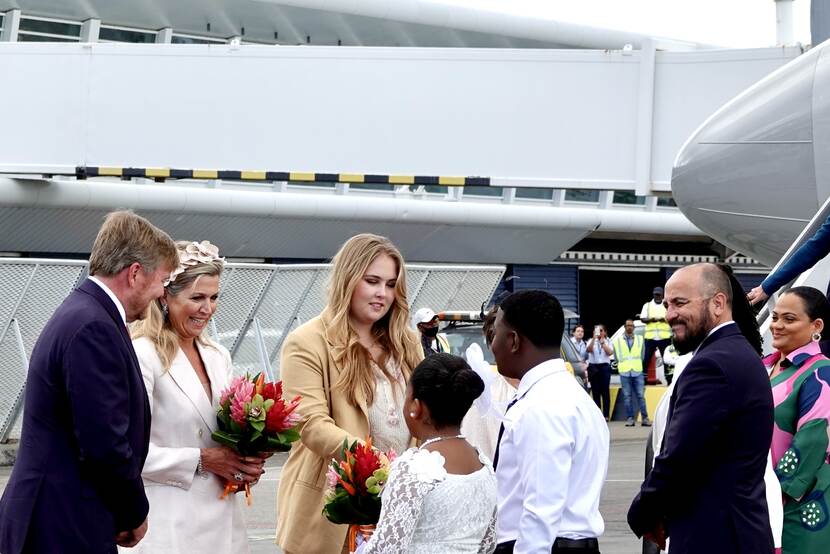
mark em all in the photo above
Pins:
pixel 200 470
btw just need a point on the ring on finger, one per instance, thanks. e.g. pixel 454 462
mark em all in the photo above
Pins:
pixel 237 476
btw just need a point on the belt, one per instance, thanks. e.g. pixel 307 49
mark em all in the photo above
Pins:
pixel 575 544
pixel 561 544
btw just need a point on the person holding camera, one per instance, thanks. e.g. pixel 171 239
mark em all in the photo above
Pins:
pixel 599 368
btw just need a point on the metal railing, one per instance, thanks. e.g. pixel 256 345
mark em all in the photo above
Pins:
pixel 817 276
pixel 259 305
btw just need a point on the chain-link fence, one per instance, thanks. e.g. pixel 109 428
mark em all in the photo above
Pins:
pixel 259 305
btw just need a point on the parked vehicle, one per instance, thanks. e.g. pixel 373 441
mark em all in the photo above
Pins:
pixel 463 328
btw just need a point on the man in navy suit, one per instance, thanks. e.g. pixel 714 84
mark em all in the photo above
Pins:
pixel 706 489
pixel 76 485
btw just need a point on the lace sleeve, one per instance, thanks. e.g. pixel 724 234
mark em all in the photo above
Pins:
pixel 411 478
pixel 488 543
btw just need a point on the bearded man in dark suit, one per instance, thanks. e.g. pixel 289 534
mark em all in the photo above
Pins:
pixel 706 490
pixel 76 485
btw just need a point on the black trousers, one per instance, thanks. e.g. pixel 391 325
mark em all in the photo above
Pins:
pixel 599 375
pixel 561 546
pixel 649 346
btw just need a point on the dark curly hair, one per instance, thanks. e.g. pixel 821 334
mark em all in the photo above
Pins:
pixel 536 315
pixel 447 385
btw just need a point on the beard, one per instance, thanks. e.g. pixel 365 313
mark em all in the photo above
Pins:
pixel 695 335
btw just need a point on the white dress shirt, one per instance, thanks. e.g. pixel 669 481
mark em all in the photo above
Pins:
pixel 552 464
pixel 112 296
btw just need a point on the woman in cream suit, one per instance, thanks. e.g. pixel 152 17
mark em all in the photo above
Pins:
pixel 350 365
pixel 184 374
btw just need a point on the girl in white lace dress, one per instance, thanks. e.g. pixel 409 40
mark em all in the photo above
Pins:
pixel 440 497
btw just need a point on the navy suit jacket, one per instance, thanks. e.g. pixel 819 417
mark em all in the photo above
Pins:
pixel 707 484
pixel 86 428
pixel 802 259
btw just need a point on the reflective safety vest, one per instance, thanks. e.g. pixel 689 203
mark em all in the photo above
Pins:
pixel 657 331
pixel 629 361
pixel 442 343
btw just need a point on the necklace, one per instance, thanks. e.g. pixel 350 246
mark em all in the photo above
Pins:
pixel 436 439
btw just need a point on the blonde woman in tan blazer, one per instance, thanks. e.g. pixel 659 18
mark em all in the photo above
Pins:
pixel 350 365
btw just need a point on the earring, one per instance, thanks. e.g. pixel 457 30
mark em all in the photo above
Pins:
pixel 411 414
pixel 164 311
pixel 816 336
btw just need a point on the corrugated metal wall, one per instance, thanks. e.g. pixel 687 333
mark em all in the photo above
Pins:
pixel 562 281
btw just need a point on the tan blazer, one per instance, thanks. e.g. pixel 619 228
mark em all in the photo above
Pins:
pixel 308 369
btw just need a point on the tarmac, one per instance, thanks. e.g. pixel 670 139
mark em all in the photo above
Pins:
pixel 625 473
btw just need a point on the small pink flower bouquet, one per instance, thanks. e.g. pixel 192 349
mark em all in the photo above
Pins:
pixel 253 418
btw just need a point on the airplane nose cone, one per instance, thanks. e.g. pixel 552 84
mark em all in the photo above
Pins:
pixel 747 175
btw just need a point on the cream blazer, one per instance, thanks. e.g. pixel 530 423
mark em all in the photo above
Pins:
pixel 186 514
pixel 308 369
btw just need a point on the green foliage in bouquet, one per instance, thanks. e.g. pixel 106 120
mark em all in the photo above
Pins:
pixel 253 417
pixel 355 484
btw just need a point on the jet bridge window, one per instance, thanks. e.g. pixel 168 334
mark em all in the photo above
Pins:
pixel 124 34
pixel 483 191
pixel 628 197
pixel 371 186
pixel 581 195
pixel 192 39
pixel 536 194
pixel 431 189
pixel 41 29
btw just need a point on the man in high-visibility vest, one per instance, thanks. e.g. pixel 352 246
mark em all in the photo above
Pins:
pixel 658 331
pixel 628 351
pixel 426 322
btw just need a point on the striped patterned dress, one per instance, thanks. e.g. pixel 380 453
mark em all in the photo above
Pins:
pixel 800 446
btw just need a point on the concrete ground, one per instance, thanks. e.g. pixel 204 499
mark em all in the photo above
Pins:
pixel 625 471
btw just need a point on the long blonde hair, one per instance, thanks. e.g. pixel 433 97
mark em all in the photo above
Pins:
pixel 156 327
pixel 392 331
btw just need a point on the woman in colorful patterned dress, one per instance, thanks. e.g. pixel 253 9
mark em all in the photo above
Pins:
pixel 800 379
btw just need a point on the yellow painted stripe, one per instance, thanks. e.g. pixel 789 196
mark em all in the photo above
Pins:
pixel 451 181
pixel 157 172
pixel 110 171
pixel 300 176
pixel 205 174
pixel 254 175
pixel 401 180
pixel 350 178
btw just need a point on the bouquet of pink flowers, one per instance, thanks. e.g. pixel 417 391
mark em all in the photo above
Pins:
pixel 254 418
pixel 355 483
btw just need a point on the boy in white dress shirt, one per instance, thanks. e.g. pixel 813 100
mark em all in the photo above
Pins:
pixel 552 454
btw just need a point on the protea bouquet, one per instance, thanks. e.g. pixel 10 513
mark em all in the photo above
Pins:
pixel 355 483
pixel 254 418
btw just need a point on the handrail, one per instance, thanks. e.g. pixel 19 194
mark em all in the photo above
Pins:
pixel 806 234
